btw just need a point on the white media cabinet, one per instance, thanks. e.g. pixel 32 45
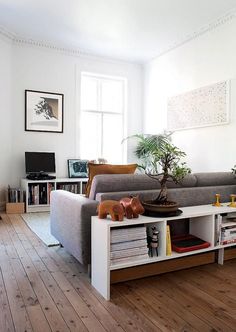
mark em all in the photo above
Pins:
pixel 37 192
pixel 202 223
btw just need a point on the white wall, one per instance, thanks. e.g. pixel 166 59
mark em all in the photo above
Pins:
pixel 5 116
pixel 48 70
pixel 207 59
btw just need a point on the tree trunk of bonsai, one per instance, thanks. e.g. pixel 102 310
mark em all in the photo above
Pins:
pixel 162 197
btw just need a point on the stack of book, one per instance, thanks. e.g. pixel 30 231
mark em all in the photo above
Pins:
pixel 15 195
pixel 73 188
pixel 128 244
pixel 37 194
pixel 228 232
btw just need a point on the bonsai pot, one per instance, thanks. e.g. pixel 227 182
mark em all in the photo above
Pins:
pixel 162 208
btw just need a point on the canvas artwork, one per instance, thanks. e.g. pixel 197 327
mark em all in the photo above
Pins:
pixel 206 106
pixel 77 168
pixel 43 111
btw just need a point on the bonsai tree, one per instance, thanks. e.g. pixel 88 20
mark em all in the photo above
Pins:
pixel 161 160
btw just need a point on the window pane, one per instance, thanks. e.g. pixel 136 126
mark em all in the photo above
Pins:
pixel 90 136
pixel 112 137
pixel 112 96
pixel 89 93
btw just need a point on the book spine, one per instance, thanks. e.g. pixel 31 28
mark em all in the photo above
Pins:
pixel 129 259
pixel 128 244
pixel 168 241
pixel 228 241
pixel 218 222
pixel 128 252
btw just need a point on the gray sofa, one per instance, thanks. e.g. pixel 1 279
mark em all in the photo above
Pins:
pixel 71 213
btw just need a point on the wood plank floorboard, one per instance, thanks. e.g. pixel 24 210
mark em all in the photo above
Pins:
pixel 45 289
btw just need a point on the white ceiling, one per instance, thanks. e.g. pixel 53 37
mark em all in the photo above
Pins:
pixel 133 30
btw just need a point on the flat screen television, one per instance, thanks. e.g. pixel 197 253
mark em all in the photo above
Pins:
pixel 40 162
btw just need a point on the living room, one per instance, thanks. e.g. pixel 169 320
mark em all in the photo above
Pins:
pixel 181 48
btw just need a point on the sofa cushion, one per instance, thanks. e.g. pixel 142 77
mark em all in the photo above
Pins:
pixel 215 179
pixel 132 182
pixel 95 169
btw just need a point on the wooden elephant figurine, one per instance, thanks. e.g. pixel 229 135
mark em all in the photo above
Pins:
pixel 114 208
pixel 132 207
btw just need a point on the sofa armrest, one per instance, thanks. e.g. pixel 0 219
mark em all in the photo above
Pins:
pixel 70 218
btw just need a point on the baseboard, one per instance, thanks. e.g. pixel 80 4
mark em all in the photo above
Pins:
pixel 148 270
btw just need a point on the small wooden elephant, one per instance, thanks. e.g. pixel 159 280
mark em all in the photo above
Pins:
pixel 132 207
pixel 114 208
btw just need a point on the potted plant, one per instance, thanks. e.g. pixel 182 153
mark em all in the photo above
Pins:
pixel 161 160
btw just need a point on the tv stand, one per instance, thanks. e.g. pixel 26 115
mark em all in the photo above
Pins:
pixel 37 190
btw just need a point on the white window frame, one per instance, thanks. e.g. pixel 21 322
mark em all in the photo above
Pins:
pixel 123 113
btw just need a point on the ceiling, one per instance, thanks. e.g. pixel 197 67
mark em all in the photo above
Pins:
pixel 131 30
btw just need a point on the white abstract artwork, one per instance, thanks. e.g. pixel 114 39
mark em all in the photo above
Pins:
pixel 206 106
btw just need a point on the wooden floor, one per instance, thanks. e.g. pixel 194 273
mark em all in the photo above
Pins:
pixel 45 289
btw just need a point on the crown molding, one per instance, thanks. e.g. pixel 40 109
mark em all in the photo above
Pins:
pixel 17 40
pixel 229 16
pixel 70 51
pixel 6 34
pixel 30 42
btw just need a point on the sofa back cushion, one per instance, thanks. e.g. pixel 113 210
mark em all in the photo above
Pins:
pixel 183 196
pixel 96 169
pixel 215 179
pixel 132 182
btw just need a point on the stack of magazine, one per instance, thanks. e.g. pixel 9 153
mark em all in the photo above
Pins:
pixel 228 229
pixel 128 244
pixel 225 232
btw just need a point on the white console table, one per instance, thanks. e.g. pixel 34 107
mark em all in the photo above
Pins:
pixel 202 223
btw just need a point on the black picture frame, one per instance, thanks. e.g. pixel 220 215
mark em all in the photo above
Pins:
pixel 77 168
pixel 44 111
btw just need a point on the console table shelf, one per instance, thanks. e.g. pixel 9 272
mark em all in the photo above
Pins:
pixel 202 221
pixel 37 192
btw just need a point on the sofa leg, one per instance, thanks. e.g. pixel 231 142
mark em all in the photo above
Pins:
pixel 89 270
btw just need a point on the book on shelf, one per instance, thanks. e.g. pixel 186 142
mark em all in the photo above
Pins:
pixel 231 216
pixel 37 194
pixel 129 259
pixel 228 241
pixel 43 193
pixel 124 234
pixel 129 252
pixel 72 187
pixel 218 222
pixel 14 195
pixel 128 244
pixel 228 229
pixel 51 186
pixel 168 241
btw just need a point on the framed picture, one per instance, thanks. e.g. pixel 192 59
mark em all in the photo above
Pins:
pixel 44 111
pixel 77 168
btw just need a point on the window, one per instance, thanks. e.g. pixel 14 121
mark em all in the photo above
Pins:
pixel 102 118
